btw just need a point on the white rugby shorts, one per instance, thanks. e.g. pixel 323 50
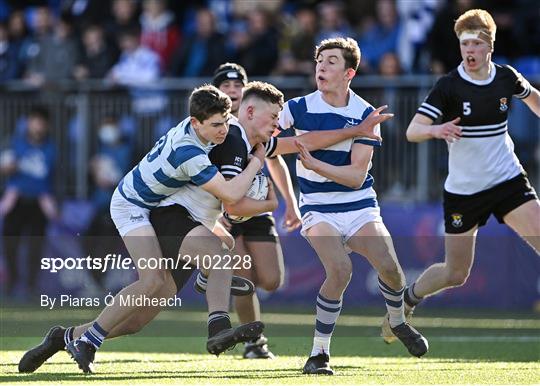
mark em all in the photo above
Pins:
pixel 127 216
pixel 346 223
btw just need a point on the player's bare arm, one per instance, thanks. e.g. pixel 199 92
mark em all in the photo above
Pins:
pixel 320 139
pixel 248 207
pixel 280 173
pixel 533 101
pixel 231 191
pixel 352 175
pixel 422 129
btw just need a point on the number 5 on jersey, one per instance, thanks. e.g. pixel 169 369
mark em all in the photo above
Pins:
pixel 466 108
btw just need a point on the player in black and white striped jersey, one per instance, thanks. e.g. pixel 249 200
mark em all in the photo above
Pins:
pixel 485 176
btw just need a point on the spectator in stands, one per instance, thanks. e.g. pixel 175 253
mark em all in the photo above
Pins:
pixel 84 12
pixel 256 46
pixel 396 153
pixel 97 57
pixel 201 52
pixel 159 30
pixel 107 166
pixel 57 56
pixel 505 17
pixel 19 38
pixel 442 44
pixel 296 57
pixel 389 65
pixel 382 36
pixel 40 31
pixel 8 56
pixel 138 69
pixel 527 28
pixel 124 17
pixel 333 23
pixel 138 65
pixel 28 203
pixel 417 18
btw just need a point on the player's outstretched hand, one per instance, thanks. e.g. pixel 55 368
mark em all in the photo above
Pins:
pixel 367 127
pixel 306 158
pixel 448 131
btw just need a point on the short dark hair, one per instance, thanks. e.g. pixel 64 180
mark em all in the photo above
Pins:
pixel 264 91
pixel 348 46
pixel 39 112
pixel 229 71
pixel 206 101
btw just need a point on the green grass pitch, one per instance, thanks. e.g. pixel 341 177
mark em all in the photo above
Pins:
pixel 465 348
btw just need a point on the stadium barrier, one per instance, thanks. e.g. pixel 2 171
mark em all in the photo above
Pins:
pixel 403 171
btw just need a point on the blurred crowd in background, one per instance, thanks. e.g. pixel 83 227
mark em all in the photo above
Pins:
pixel 89 140
pixel 136 40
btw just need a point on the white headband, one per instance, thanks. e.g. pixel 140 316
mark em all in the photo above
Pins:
pixel 477 34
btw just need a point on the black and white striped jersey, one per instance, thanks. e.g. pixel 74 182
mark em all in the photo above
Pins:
pixel 484 156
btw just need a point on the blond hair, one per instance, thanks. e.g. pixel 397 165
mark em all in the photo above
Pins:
pixel 477 20
pixel 263 91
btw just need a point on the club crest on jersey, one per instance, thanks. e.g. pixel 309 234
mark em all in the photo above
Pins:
pixel 457 220
pixel 503 106
pixel 351 122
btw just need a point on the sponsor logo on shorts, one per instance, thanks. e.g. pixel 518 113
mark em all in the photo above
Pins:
pixel 307 218
pixel 457 220
pixel 138 218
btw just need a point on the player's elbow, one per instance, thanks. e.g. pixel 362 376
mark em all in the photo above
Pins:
pixel 411 135
pixel 230 196
pixel 228 200
pixel 356 184
pixel 357 179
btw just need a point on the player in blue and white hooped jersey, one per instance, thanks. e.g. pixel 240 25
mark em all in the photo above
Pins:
pixel 178 158
pixel 485 176
pixel 181 219
pixel 337 201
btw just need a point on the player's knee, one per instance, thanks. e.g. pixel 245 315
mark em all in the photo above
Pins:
pixel 153 282
pixel 392 275
pixel 456 278
pixel 340 272
pixel 270 283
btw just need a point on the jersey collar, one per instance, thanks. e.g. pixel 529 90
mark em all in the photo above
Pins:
pixel 234 121
pixel 189 130
pixel 350 103
pixel 465 76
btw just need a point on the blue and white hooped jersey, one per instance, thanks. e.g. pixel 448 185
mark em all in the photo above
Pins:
pixel 177 158
pixel 318 193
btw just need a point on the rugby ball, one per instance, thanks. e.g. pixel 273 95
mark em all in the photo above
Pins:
pixel 257 191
